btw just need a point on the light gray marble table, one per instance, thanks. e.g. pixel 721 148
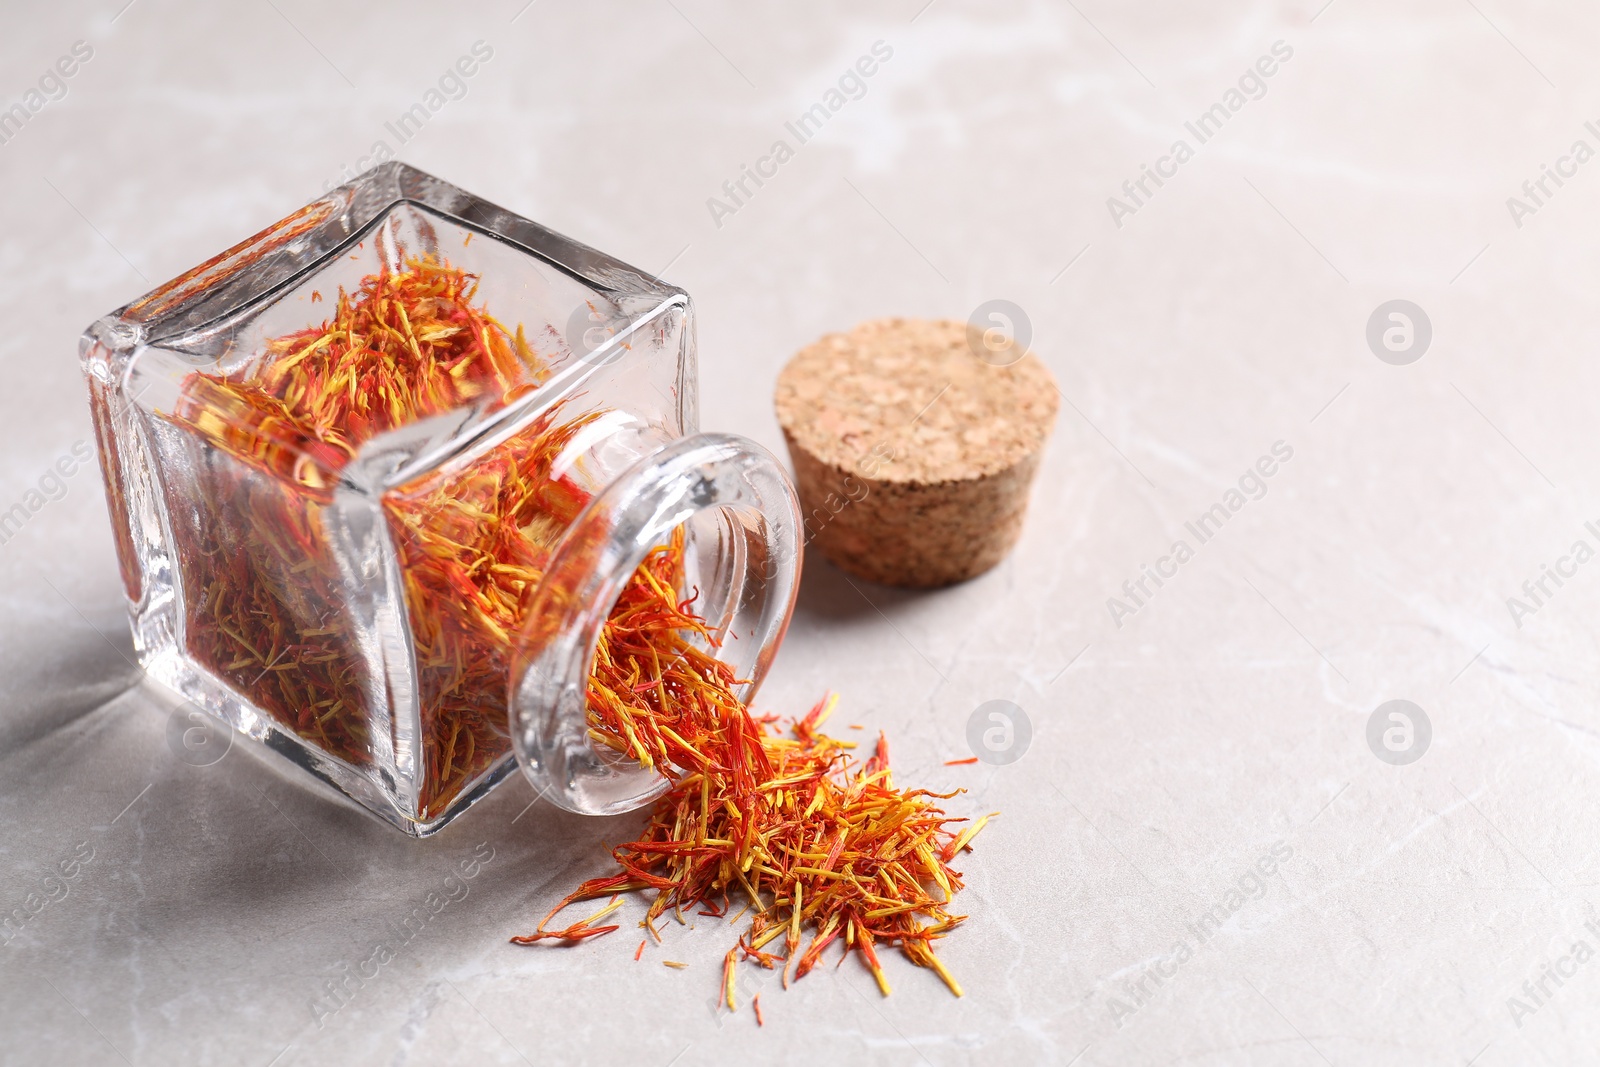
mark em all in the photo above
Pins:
pixel 1211 728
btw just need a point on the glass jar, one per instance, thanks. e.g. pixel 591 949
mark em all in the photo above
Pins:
pixel 400 587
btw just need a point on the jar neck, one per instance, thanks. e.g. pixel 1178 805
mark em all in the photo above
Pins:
pixel 740 528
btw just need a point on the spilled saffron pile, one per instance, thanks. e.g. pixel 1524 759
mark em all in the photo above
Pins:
pixel 788 827
pixel 808 841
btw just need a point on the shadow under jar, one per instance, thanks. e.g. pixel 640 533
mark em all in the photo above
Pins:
pixel 378 475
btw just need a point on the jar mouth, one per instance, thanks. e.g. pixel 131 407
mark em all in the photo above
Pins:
pixel 733 507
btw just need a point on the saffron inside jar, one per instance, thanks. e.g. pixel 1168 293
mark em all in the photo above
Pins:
pixel 268 604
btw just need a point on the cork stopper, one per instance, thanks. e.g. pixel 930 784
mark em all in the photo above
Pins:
pixel 913 453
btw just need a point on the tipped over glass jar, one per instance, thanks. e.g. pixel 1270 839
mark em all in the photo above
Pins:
pixel 385 476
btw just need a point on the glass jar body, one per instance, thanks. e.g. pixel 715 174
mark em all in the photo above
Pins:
pixel 347 582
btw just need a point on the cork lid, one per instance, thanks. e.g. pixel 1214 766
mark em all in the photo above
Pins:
pixel 919 387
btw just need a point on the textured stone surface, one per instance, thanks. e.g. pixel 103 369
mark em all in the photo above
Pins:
pixel 1226 716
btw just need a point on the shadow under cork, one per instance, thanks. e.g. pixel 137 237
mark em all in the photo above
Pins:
pixel 829 595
